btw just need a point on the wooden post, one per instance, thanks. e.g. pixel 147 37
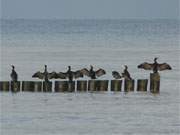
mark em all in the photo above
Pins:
pixel 116 85
pixel 15 86
pixel 128 85
pixel 61 86
pixel 71 86
pixel 4 86
pixel 38 86
pixel 154 82
pixel 81 85
pixel 47 86
pixel 27 86
pixel 98 85
pixel 64 86
pixel 142 84
pixel 92 85
pixel 102 85
pixel 31 86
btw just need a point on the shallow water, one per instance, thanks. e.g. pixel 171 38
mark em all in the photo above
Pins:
pixel 108 44
pixel 89 113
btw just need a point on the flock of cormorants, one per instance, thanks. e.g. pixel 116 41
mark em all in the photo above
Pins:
pixel 70 75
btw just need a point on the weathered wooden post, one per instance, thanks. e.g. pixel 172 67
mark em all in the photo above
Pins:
pixel 60 86
pixel 142 84
pixel 27 86
pixel 92 85
pixel 128 85
pixel 98 85
pixel 81 85
pixel 64 86
pixel 154 82
pixel 116 85
pixel 31 86
pixel 15 86
pixel 102 85
pixel 47 86
pixel 4 86
pixel 71 86
pixel 38 86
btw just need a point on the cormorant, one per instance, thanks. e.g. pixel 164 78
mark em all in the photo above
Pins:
pixel 69 74
pixel 14 75
pixel 45 75
pixel 93 74
pixel 116 75
pixel 125 74
pixel 155 66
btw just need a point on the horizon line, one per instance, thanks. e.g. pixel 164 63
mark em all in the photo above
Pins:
pixel 21 18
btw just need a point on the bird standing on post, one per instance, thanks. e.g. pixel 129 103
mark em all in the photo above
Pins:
pixel 125 74
pixel 69 74
pixel 14 75
pixel 45 75
pixel 93 74
pixel 155 67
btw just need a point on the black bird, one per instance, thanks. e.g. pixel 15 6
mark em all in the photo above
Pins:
pixel 116 75
pixel 14 75
pixel 93 74
pixel 155 66
pixel 45 75
pixel 69 74
pixel 125 74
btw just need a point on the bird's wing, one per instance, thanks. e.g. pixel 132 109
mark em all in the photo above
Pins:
pixel 52 75
pixel 146 66
pixel 77 74
pixel 62 75
pixel 126 77
pixel 116 75
pixel 84 71
pixel 100 72
pixel 164 66
pixel 39 75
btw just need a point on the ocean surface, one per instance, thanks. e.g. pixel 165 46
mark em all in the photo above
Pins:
pixel 107 44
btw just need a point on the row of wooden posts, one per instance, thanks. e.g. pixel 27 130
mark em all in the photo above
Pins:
pixel 83 85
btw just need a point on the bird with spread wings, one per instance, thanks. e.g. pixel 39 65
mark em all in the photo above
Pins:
pixel 45 75
pixel 91 73
pixel 155 66
pixel 69 74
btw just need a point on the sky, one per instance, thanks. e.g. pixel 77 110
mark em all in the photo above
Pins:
pixel 90 9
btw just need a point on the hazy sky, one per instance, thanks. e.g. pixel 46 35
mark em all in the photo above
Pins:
pixel 83 9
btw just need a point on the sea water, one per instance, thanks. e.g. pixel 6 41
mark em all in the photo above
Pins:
pixel 107 44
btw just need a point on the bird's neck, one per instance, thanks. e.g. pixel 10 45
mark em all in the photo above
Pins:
pixel 45 70
pixel 155 61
